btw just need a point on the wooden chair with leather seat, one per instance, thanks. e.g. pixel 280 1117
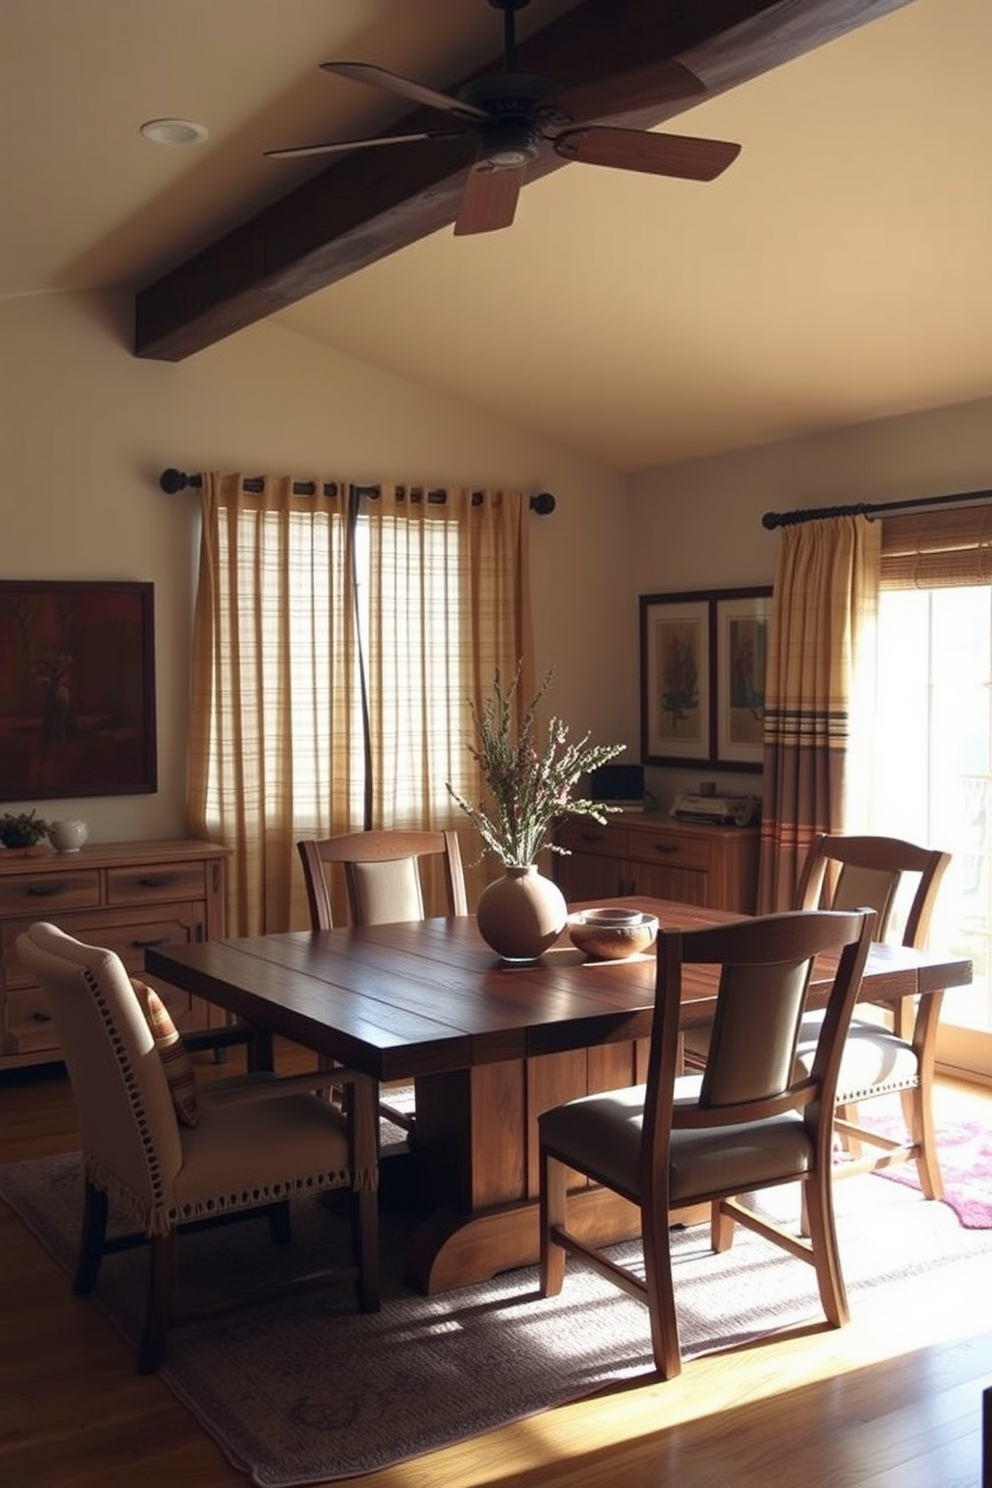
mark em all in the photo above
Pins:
pixel 891 1046
pixel 383 876
pixel 168 1156
pixel 747 1123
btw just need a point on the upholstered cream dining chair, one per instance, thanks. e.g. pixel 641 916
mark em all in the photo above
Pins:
pixel 747 1123
pixel 383 876
pixel 167 1155
pixel 891 1047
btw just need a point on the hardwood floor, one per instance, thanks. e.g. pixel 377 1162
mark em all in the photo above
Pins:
pixel 887 1402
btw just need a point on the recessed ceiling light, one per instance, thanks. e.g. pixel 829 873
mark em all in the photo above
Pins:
pixel 173 132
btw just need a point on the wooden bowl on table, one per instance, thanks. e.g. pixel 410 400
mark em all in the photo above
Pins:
pixel 612 934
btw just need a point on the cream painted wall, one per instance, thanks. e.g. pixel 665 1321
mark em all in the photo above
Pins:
pixel 86 428
pixel 699 526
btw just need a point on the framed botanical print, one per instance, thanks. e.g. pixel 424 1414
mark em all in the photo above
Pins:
pixel 741 626
pixel 703 656
pixel 676 679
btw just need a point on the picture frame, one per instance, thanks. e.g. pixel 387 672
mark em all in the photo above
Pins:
pixel 702 667
pixel 741 630
pixel 676 632
pixel 77 689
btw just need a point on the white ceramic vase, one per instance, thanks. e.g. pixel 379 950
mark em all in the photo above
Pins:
pixel 68 836
pixel 521 914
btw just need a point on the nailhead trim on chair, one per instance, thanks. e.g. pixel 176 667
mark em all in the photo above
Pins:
pixel 150 1219
pixel 250 1198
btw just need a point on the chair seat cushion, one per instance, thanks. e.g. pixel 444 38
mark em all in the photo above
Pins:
pixel 245 1152
pixel 601 1134
pixel 874 1061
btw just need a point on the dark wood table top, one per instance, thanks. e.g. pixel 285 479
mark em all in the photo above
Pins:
pixel 422 998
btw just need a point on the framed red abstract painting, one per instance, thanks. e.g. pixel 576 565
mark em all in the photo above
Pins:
pixel 77 689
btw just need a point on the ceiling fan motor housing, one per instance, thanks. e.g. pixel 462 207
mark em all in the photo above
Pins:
pixel 511 136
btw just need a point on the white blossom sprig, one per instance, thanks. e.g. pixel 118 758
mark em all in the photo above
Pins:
pixel 529 783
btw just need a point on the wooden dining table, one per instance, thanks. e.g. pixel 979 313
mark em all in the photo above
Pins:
pixel 488 1046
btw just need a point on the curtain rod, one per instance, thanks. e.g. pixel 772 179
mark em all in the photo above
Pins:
pixel 172 480
pixel 866 509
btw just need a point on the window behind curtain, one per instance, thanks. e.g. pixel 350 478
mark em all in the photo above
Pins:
pixel 932 754
pixel 297 606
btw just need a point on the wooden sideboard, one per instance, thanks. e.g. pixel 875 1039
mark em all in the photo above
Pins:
pixel 125 896
pixel 659 857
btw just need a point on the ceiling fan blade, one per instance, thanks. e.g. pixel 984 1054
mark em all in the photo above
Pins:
pixel 403 87
pixel 489 199
pixel 295 152
pixel 639 150
pixel 603 98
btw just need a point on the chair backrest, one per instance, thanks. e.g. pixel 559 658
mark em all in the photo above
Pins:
pixel 126 1116
pixel 762 968
pixel 382 871
pixel 842 872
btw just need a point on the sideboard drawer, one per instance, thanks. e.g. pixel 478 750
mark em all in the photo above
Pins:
pixel 39 896
pixel 151 883
pixel 578 835
pixel 30 1028
pixel 670 850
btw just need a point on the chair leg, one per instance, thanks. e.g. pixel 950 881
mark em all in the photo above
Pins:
pixel 92 1236
pixel 723 1227
pixel 553 1211
pixel 823 1242
pixel 848 1144
pixel 661 1293
pixel 917 1109
pixel 161 1277
pixel 280 1223
pixel 365 1246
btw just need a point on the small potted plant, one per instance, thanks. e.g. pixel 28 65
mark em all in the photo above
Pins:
pixel 23 832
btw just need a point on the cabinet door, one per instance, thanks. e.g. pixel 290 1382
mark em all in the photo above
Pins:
pixel 584 876
pixel 687 885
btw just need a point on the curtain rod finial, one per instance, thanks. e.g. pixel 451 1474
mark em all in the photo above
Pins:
pixel 543 503
pixel 173 480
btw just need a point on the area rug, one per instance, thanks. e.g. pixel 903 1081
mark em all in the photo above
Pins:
pixel 310 1390
pixel 965 1153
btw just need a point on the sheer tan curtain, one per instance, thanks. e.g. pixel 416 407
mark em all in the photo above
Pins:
pixel 337 637
pixel 821 644
pixel 449 606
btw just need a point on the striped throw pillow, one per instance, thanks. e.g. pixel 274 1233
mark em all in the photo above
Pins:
pixel 179 1071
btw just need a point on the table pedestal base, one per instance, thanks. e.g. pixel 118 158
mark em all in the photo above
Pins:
pixel 452 1250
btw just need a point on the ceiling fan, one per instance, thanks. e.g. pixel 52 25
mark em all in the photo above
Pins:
pixel 514 116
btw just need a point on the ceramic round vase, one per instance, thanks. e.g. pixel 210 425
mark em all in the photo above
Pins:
pixel 68 836
pixel 521 914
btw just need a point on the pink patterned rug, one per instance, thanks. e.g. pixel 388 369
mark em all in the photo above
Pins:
pixel 965 1149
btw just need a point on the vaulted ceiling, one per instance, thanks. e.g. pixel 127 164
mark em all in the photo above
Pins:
pixel 836 272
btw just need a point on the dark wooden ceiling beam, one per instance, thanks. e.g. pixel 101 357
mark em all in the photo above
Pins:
pixel 368 204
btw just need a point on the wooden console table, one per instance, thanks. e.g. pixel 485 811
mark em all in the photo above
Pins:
pixel 126 896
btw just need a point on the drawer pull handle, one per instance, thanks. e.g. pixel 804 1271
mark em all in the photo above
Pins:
pixel 666 847
pixel 149 945
pixel 157 880
pixel 46 891
pixel 41 1017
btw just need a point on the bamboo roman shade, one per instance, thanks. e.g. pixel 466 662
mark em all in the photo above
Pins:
pixel 937 549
